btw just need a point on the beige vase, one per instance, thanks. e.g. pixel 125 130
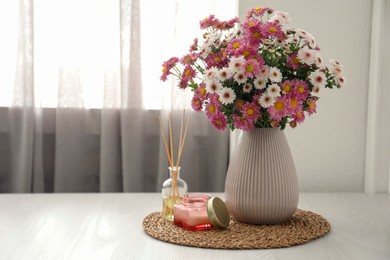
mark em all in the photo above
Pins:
pixel 261 184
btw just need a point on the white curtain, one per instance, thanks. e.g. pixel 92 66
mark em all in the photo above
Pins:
pixel 70 143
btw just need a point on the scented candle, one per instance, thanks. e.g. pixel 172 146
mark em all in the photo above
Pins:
pixel 197 212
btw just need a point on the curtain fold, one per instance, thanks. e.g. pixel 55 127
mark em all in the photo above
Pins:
pixel 118 147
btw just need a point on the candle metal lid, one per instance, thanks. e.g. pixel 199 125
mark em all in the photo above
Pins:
pixel 218 213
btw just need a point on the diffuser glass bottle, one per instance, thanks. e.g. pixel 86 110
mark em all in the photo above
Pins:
pixel 172 190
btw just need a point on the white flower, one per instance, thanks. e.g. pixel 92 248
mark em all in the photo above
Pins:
pixel 232 34
pixel 307 56
pixel 259 83
pixel 227 95
pixel 225 73
pixel 204 51
pixel 240 77
pixel 266 100
pixel 275 75
pixel 340 81
pixel 213 86
pixel 318 78
pixel 280 17
pixel 210 74
pixel 264 72
pixel 236 63
pixel 337 70
pixel 318 61
pixel 247 87
pixel 273 90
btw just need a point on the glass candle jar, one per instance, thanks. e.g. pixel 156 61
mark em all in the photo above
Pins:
pixel 199 211
pixel 172 190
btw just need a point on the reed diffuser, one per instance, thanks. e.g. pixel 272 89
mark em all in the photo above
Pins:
pixel 174 187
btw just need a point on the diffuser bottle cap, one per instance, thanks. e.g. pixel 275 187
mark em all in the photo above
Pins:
pixel 218 213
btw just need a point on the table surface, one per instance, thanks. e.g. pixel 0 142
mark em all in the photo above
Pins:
pixel 109 226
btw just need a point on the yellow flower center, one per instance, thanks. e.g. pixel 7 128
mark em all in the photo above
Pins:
pixel 256 34
pixel 258 9
pixel 249 68
pixel 211 109
pixel 218 122
pixel 246 53
pixel 311 105
pixel 279 105
pixel 236 45
pixel 250 111
pixel 188 72
pixel 187 60
pixel 217 59
pixel 164 69
pixel 272 29
pixel 202 91
pixel 239 103
pixel 251 24
pixel 196 102
pixel 293 103
pixel 299 114
pixel 301 89
pixel 287 88
pixel 296 60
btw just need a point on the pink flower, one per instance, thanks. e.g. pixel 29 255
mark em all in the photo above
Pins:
pixel 312 106
pixel 242 123
pixel 219 121
pixel 287 87
pixel 235 46
pixel 216 60
pixel 301 89
pixel 280 108
pixel 188 73
pixel 250 111
pixel 258 11
pixel 299 117
pixel 272 29
pixel 167 66
pixel 251 68
pixel 213 107
pixel 293 61
pixel 296 105
pixel 196 103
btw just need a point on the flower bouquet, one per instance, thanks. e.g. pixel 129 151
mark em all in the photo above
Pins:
pixel 254 74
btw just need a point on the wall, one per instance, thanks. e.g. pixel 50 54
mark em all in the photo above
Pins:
pixel 329 149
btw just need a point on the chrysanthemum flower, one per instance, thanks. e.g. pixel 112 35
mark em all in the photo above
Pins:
pixel 275 75
pixel 201 92
pixel 263 73
pixel 312 106
pixel 240 77
pixel 219 121
pixel 271 28
pixel 250 111
pixel 293 61
pixel 280 108
pixel 307 56
pixel 259 83
pixel 234 47
pixel 280 17
pixel 266 101
pixel 236 63
pixel 296 105
pixel 227 95
pixel 212 108
pixel 318 78
pixel 224 74
pixel 210 74
pixel 251 68
pixel 213 86
pixel 273 90
pixel 196 103
pixel 242 123
pixel 301 89
pixel 247 88
pixel 188 73
pixel 287 87
pixel 167 66
pixel 299 117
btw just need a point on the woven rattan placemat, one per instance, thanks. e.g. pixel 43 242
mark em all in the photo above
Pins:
pixel 303 227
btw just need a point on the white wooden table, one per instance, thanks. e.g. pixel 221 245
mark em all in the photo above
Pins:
pixel 109 226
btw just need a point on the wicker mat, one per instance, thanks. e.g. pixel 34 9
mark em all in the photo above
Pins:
pixel 303 227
